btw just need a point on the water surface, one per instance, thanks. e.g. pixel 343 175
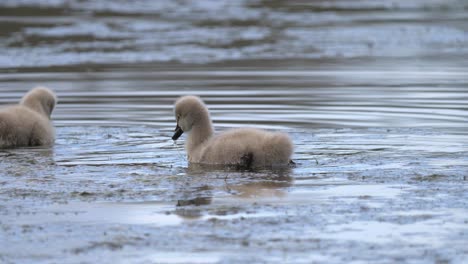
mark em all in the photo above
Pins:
pixel 373 94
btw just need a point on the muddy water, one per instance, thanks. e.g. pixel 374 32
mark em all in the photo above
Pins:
pixel 374 96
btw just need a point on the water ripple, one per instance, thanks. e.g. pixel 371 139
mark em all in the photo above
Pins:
pixel 94 32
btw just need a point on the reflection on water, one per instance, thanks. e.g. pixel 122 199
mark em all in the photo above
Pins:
pixel 384 233
pixel 259 96
pixel 134 186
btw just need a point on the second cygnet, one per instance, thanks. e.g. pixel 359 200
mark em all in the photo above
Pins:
pixel 28 123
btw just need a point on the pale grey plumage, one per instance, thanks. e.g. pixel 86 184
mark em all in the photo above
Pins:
pixel 246 146
pixel 28 123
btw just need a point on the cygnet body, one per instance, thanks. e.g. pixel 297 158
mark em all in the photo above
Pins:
pixel 28 123
pixel 247 147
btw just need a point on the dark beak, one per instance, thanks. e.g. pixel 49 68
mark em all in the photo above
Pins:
pixel 178 133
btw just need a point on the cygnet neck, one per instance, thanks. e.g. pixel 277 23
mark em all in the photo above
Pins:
pixel 201 131
pixel 35 105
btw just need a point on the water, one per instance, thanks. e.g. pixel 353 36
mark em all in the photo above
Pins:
pixel 373 94
pixel 70 32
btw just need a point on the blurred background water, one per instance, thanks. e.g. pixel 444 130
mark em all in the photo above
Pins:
pixel 302 63
pixel 70 32
pixel 373 93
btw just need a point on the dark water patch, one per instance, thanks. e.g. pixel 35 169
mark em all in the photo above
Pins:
pixel 126 32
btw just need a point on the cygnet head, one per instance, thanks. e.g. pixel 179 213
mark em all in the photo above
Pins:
pixel 189 111
pixel 41 100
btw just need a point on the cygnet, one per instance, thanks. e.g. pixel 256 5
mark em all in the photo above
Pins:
pixel 245 147
pixel 28 123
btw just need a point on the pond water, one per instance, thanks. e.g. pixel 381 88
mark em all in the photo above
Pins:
pixel 374 95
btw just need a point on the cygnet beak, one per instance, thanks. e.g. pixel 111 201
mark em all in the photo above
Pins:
pixel 178 132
